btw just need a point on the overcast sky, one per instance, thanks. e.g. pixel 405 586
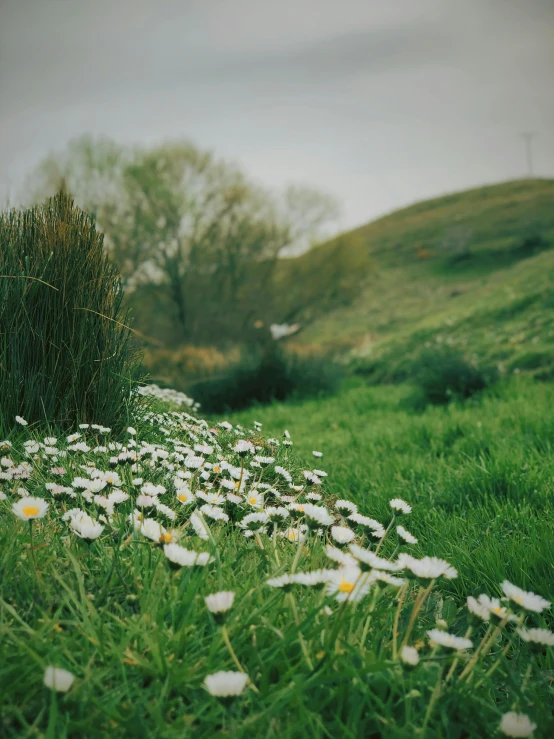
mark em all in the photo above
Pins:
pixel 380 102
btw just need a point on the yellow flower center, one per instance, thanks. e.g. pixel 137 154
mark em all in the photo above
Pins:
pixel 30 510
pixel 217 468
pixel 292 536
pixel 497 610
pixel 166 538
pixel 253 500
pixel 183 497
pixel 518 599
pixel 237 484
pixel 346 587
pixel 301 508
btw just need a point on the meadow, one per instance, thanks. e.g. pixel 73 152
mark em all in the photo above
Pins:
pixel 108 598
pixel 354 564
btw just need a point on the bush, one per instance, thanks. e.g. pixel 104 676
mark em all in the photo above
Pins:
pixel 443 375
pixel 66 354
pixel 266 374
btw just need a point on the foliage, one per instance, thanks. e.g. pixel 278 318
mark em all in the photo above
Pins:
pixel 66 354
pixel 178 367
pixel 192 225
pixel 407 301
pixel 445 374
pixel 267 373
pixel 140 640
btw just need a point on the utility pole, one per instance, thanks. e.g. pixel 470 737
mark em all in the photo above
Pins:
pixel 528 137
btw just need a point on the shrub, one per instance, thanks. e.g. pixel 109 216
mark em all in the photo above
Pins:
pixel 267 373
pixel 66 354
pixel 443 375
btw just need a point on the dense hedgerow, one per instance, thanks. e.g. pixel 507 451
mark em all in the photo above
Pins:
pixel 194 580
pixel 66 354
pixel 266 374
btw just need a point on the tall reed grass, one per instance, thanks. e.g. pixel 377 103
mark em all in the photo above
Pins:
pixel 66 351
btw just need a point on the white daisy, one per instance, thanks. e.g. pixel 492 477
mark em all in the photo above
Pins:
pixel 56 678
pixel 493 606
pixel 342 534
pixel 529 601
pixel 243 447
pixel 166 511
pixel 316 577
pixel 85 527
pixel 338 555
pixel 199 525
pixel 399 505
pixel 404 534
pixel 254 521
pixel 193 462
pixel 185 557
pixel 220 602
pixel 280 582
pixel 21 421
pixel 312 478
pixel 346 507
pixel 234 499
pixel 225 684
pixel 373 527
pixel 264 461
pixel 317 515
pixel 295 533
pixel 478 609
pixel 444 639
pixel 427 567
pixel 348 583
pixel 516 725
pixel 284 473
pixel 255 499
pixel 409 655
pixel 151 529
pixel 537 636
pixel 386 577
pixel 372 560
pixel 214 512
pixel 29 508
pixel 317 454
pixel 277 513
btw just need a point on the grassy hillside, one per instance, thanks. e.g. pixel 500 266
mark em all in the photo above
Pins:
pixel 474 269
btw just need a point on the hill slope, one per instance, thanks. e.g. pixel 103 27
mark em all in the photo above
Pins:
pixel 474 269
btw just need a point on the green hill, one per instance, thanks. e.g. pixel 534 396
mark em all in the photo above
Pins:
pixel 474 269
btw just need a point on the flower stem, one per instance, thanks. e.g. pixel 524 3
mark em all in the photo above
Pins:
pixel 225 635
pixel 457 658
pixel 31 545
pixel 401 597
pixel 274 540
pixel 486 642
pixel 434 698
pixel 393 519
pixel 498 660
pixel 420 600
pixel 300 637
pixel 298 552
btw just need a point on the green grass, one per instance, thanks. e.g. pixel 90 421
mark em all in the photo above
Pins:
pixel 140 641
pixel 66 353
pixel 480 473
pixel 491 296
